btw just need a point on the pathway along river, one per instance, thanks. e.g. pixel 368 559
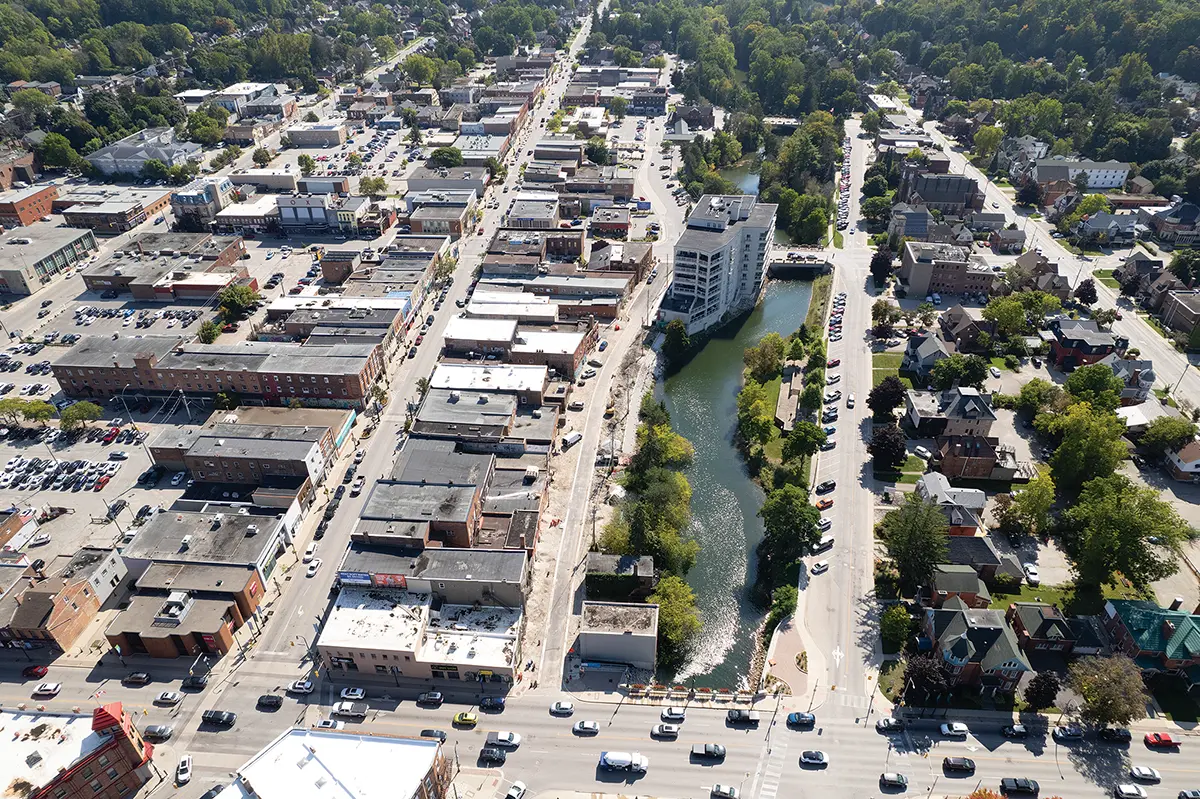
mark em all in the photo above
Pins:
pixel 702 399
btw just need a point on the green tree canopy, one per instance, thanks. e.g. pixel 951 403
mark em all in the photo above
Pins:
pixel 915 535
pixel 1166 433
pixel 1090 444
pixel 804 439
pixel 1096 385
pixel 235 300
pixel 678 619
pixel 765 359
pixel 1112 690
pixel 78 414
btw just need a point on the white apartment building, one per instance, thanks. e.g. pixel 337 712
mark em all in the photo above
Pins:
pixel 720 260
pixel 1101 175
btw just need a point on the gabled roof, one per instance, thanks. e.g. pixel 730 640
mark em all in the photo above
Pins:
pixel 959 580
pixel 1043 621
pixel 1172 633
pixel 979 636
pixel 967 403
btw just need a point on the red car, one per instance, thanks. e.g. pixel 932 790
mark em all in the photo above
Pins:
pixel 420 338
pixel 111 435
pixel 1161 739
pixel 102 482
pixel 35 671
pixel 833 363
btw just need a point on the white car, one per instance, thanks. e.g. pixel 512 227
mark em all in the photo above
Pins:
pixel 664 731
pixel 313 568
pixel 1032 575
pixel 329 724
pixel 309 553
pixel 820 567
pixel 562 708
pixel 47 689
pixel 674 713
pixel 727 791
pixel 353 694
pixel 168 698
pixel 1145 774
pixel 301 687
pixel 586 728
pixel 814 757
pixel 183 772
pixel 1129 791
pixel 178 478
pixel 922 453
pixel 994 372
pixel 517 791
pixel 505 738
pixel 954 729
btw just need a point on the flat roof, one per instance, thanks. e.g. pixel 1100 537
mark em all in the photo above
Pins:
pixel 376 618
pixel 480 329
pixel 423 462
pixel 258 205
pixel 195 577
pixel 322 764
pixel 497 377
pixel 37 746
pixel 471 409
pixel 423 504
pixel 334 418
pixel 227 542
pixel 546 312
pixel 619 617
pixel 534 209
pixel 46 238
pixel 260 441
pixel 479 565
pixel 109 351
pixel 143 614
pixel 439 212
pixel 556 342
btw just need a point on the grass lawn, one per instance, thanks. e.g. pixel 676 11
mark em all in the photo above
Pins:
pixel 886 360
pixel 837 239
pixel 822 289
pixel 910 472
pixel 1066 596
pixel 998 362
pixel 1108 280
pixel 891 678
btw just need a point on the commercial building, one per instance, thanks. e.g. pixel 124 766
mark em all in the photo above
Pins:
pixel 459 178
pixel 324 376
pixel 485 421
pixel 196 205
pixel 257 215
pixel 457 576
pixel 111 209
pixel 533 213
pixel 1181 310
pixel 619 633
pixel 927 268
pixel 277 180
pixel 610 221
pixel 249 454
pixel 51 755
pixel 129 155
pixel 234 98
pixel 316 134
pixel 33 257
pixel 528 383
pixel 306 763
pixel 164 267
pixel 447 220
pixel 478 149
pixel 62 599
pixel 321 212
pixel 26 206
pixel 720 260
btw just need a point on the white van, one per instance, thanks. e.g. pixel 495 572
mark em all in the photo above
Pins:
pixel 824 524
pixel 850 401
pixel 624 761
pixel 571 439
pixel 825 543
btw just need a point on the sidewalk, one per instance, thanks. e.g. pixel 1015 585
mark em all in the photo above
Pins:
pixel 475 783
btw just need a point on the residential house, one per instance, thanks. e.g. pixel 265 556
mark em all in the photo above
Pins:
pixel 980 649
pixel 1138 418
pixel 1040 627
pixel 1155 295
pixel 62 599
pixel 1038 272
pixel 985 222
pixel 1007 241
pixel 958 411
pixel 978 458
pixel 964 326
pixel 956 585
pixel 1018 154
pixel 1184 463
pixel 1139 185
pixel 1107 228
pixel 1101 175
pixel 1137 375
pixel 922 353
pixel 1080 342
pixel 1160 640
pixel 1181 310
pixel 1179 224
pixel 980 553
pixel 963 507
pixel 1139 264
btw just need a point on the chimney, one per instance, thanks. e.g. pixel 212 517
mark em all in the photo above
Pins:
pixel 1177 604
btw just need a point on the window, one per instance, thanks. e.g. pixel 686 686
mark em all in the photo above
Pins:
pixel 95 786
pixel 112 773
pixel 87 772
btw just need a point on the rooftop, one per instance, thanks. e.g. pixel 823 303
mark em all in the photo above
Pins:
pixel 423 504
pixel 500 377
pixel 45 239
pixel 426 462
pixel 37 746
pixel 224 538
pixel 467 329
pixel 619 617
pixel 311 764
pixel 558 342
pixel 444 410
pixel 482 565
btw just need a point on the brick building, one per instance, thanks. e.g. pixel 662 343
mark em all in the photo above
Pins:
pixel 26 206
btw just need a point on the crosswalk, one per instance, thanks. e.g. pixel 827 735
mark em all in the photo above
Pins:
pixel 851 700
pixel 773 771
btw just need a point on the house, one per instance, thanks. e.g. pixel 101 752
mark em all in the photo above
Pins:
pixel 1101 175
pixel 1007 241
pixel 1181 310
pixel 1080 342
pixel 921 353
pixel 1155 295
pixel 963 327
pixel 1137 375
pixel 1184 463
pixel 957 411
pixel 1040 627
pixel 978 552
pixel 1107 228
pixel 977 645
pixel 985 222
pixel 962 507
pixel 1179 224
pixel 957 585
pixel 1018 154
pixel 62 599
pixel 1137 418
pixel 1035 271
pixel 1160 640
pixel 978 458
pixel 1140 264
pixel 1139 185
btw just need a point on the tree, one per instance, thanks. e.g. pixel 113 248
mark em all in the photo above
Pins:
pixel 235 300
pixel 1090 447
pixel 871 121
pixel 1037 395
pixel 810 398
pixel 915 536
pixel 888 448
pixel 1096 385
pixel 1007 314
pixel 446 157
pixel 1166 433
pixel 1112 690
pixel 617 106
pixel 1031 505
pixel 926 314
pixel 1104 317
pixel 887 396
pixel 10 409
pixel 791 530
pixel 37 411
pixel 894 627
pixel 373 186
pixel 783 604
pixel 987 140
pixel 209 330
pixel 261 156
pixel 311 117
pixel 676 344
pixel 78 414
pixel 756 415
pixel 306 163
pixel 56 151
pixel 1042 690
pixel 1121 527
pixel 876 209
pixel 1038 304
pixel 804 439
pixel 354 160
pixel 875 186
pixel 925 676
pixel 652 411
pixel 959 369
pixel 421 69
pixel 1029 194
pixel 1130 285
pixel 881 266
pixel 597 150
pixel 1085 292
pixel 765 359
pixel 678 620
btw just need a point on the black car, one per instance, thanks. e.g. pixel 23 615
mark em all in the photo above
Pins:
pixel 339 491
pixel 964 764
pixel 1115 735
pixel 1010 785
pixel 826 487
pixel 492 754
pixel 270 701
pixel 138 678
pixel 220 718
pixel 1014 731
pixel 492 703
pixel 195 682
pixel 213 792
pixel 431 698
pixel 438 734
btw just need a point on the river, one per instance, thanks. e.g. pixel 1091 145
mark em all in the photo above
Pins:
pixel 702 399
pixel 745 176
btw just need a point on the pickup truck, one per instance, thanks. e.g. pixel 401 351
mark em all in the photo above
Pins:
pixel 750 717
pixel 709 751
pixel 356 710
